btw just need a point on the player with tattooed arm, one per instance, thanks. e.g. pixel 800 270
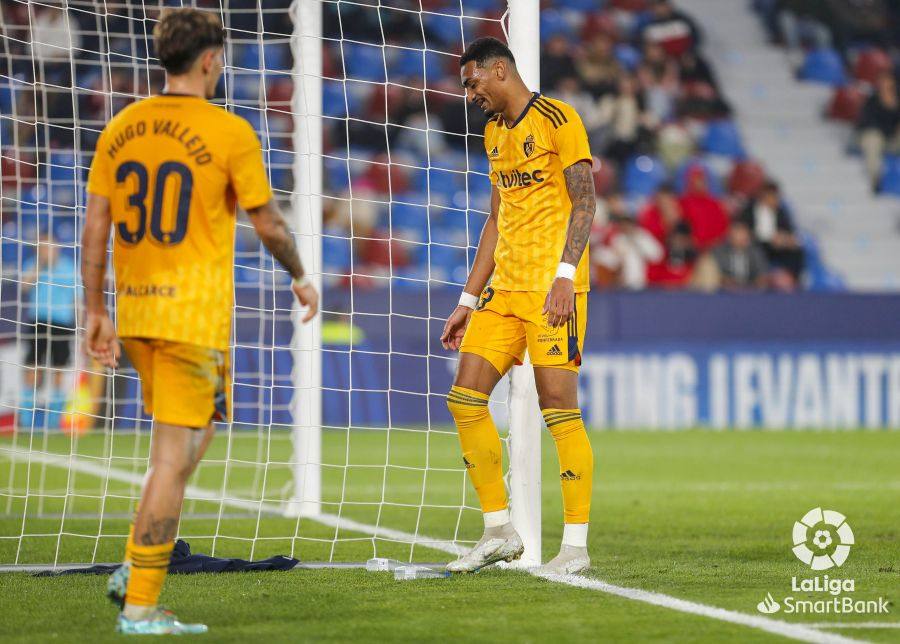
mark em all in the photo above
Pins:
pixel 166 176
pixel 532 250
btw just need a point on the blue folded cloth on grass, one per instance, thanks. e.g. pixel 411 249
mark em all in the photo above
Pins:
pixel 183 561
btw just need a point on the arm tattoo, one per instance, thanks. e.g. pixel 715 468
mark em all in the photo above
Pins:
pixel 580 186
pixel 284 249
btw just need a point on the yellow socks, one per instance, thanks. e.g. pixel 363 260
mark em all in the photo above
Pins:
pixel 149 565
pixel 576 462
pixel 480 443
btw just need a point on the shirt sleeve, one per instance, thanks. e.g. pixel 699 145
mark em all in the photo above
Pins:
pixel 246 169
pixel 571 140
pixel 100 175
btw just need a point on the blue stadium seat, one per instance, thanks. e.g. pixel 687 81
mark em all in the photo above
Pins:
pixel 643 175
pixel 722 137
pixel 406 62
pixel 629 57
pixel 337 176
pixel 336 250
pixel 408 217
pixel 445 261
pixel 475 6
pixel 554 23
pixel 277 56
pixel 364 62
pixel 437 66
pixel 823 65
pixel 581 5
pixel 890 178
pixel 246 55
pixel 442 29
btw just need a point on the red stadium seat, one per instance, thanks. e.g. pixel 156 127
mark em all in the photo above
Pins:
pixel 604 176
pixel 846 103
pixel 870 64
pixel 599 23
pixel 746 178
pixel 635 6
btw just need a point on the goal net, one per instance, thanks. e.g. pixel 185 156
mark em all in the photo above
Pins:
pixel 340 448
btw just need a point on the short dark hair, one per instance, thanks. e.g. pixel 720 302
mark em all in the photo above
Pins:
pixel 181 35
pixel 771 186
pixel 483 49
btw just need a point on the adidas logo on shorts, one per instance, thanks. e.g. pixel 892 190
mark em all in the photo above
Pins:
pixel 554 351
pixel 467 463
pixel 569 475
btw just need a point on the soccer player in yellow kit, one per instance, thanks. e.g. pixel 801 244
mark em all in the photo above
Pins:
pixel 167 174
pixel 532 249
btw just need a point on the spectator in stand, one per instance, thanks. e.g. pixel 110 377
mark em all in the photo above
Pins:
pixel 622 121
pixel 879 126
pixel 658 76
pixel 673 30
pixel 662 218
pixel 598 68
pixel 769 222
pixel 623 250
pixel 704 212
pixel 741 264
pixel 556 62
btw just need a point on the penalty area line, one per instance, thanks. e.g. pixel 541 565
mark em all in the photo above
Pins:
pixel 802 633
pixel 864 625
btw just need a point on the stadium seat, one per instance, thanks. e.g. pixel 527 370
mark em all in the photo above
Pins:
pixel 628 56
pixel 890 178
pixel 587 7
pixel 409 217
pixel 870 64
pixel 554 23
pixel 337 176
pixel 643 175
pixel 746 178
pixel 406 62
pixel 364 62
pixel 846 103
pixel 441 30
pixel 823 65
pixel 336 250
pixel 722 137
pixel 437 66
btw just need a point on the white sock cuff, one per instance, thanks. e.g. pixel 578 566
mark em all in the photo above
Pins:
pixel 575 534
pixel 496 519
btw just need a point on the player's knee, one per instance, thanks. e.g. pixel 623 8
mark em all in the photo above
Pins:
pixel 467 406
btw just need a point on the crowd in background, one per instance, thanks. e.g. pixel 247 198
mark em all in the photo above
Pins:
pixel 853 45
pixel 405 183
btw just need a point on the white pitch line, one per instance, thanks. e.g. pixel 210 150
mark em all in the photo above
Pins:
pixel 799 632
pixel 802 633
pixel 854 625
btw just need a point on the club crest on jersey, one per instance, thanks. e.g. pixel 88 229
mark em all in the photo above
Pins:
pixel 494 153
pixel 528 146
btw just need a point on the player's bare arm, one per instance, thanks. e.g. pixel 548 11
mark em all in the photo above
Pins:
pixel 580 186
pixel 278 238
pixel 482 268
pixel 100 336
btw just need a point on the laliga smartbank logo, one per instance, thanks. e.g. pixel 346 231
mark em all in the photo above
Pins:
pixel 822 540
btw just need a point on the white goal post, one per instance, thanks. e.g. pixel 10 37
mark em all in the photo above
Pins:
pixel 524 445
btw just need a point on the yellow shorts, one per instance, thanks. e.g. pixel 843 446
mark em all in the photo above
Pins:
pixel 505 323
pixel 183 384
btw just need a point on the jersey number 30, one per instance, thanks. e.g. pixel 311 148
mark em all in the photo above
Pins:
pixel 138 201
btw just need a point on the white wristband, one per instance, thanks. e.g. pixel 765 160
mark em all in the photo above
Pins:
pixel 301 282
pixel 468 300
pixel 566 271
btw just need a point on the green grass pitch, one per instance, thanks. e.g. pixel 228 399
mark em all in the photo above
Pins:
pixel 702 516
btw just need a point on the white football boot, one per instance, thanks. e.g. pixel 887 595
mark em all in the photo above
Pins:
pixel 569 561
pixel 502 543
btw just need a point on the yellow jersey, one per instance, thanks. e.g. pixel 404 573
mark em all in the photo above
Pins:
pixel 527 160
pixel 173 167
